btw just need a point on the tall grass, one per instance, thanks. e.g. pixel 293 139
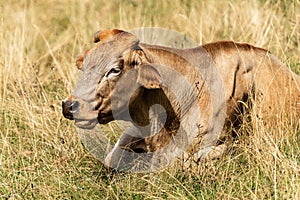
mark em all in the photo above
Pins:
pixel 41 156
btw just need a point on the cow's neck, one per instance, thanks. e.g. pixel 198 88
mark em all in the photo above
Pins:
pixel 155 117
pixel 152 104
pixel 177 98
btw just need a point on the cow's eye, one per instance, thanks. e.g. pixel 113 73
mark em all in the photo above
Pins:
pixel 114 71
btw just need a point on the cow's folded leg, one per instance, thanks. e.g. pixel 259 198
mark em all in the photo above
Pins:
pixel 125 150
pixel 208 153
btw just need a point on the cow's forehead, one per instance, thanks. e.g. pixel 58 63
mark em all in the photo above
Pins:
pixel 106 53
pixel 102 56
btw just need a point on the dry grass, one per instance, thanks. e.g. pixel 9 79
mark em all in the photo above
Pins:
pixel 41 154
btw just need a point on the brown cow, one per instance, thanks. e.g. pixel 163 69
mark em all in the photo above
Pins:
pixel 124 79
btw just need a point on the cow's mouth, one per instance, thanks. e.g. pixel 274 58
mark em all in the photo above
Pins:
pixel 102 118
pixel 86 124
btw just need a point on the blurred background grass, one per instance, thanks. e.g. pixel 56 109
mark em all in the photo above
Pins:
pixel 41 153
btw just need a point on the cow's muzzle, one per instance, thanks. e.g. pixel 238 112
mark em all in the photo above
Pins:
pixel 82 112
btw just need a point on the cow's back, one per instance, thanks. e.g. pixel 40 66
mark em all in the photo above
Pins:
pixel 252 72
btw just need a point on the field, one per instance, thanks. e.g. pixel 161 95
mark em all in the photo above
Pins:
pixel 41 155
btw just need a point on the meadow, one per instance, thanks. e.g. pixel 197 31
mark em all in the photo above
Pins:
pixel 41 155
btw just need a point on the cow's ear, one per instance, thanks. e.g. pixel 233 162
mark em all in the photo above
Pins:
pixel 149 77
pixel 80 58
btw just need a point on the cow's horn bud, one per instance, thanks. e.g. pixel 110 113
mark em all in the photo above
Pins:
pixel 105 34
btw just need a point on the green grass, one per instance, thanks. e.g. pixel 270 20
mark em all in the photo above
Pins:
pixel 41 155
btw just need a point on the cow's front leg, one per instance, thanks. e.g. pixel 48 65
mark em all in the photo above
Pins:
pixel 127 150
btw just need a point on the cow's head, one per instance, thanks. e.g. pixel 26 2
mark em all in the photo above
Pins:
pixel 116 60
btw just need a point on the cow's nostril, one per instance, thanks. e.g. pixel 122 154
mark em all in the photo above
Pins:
pixel 69 108
pixel 74 107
